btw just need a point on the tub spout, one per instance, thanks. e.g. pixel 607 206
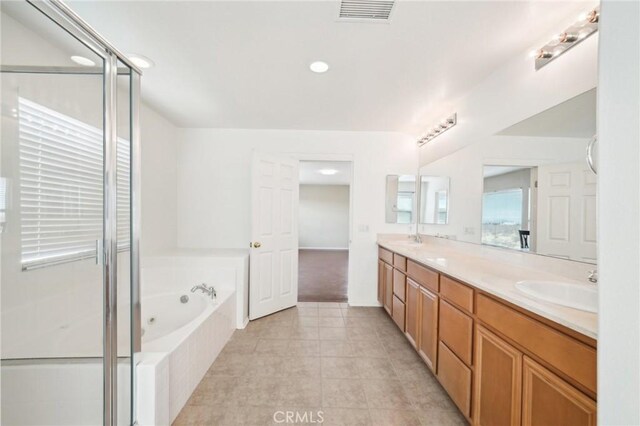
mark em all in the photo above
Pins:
pixel 210 291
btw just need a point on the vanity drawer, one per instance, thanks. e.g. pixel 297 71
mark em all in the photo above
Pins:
pixel 400 262
pixel 423 276
pixel 457 293
pixel 455 377
pixel 573 358
pixel 398 312
pixel 385 255
pixel 399 285
pixel 456 331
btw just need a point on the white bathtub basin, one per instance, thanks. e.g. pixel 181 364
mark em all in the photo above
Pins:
pixel 578 296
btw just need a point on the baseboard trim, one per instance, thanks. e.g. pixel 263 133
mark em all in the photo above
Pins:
pixel 324 248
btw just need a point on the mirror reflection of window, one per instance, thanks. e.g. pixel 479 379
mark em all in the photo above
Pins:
pixel 434 200
pixel 400 199
pixel 502 218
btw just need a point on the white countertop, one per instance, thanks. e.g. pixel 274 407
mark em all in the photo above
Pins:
pixel 496 271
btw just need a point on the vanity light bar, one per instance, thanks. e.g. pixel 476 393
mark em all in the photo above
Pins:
pixel 438 129
pixel 585 26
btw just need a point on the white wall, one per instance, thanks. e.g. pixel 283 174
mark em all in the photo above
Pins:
pixel 214 187
pixel 465 168
pixel 619 213
pixel 514 92
pixel 324 216
pixel 159 140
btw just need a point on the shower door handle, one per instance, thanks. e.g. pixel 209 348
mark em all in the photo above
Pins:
pixel 100 252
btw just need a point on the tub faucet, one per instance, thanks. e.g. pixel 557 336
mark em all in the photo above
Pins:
pixel 210 291
pixel 593 276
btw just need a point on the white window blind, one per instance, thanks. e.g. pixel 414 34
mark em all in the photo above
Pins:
pixel 61 182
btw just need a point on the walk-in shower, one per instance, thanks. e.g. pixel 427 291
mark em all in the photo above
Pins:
pixel 69 221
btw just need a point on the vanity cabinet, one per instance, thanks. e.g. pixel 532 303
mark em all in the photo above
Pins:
pixel 428 330
pixel 412 306
pixel 499 363
pixel 388 288
pixel 498 381
pixel 547 399
pixel 380 281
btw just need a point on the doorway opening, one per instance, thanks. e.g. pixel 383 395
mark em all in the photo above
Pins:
pixel 323 231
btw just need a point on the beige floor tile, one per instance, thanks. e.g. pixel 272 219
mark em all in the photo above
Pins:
pixel 303 348
pixel 298 366
pixel 369 348
pixel 346 417
pixel 441 417
pixel 375 368
pixel 220 390
pixel 362 333
pixel 272 347
pixel 230 365
pixel 265 365
pixel 361 322
pixel 241 345
pixel 412 370
pixel 206 415
pixel 343 393
pixel 328 305
pixel 386 394
pixel 330 322
pixel 306 321
pixel 304 333
pixel 330 312
pixel 307 312
pixel 332 333
pixel 258 391
pixel 308 304
pixel 276 332
pixel 300 392
pixel 335 348
pixel 339 368
pixel 362 311
pixel 394 418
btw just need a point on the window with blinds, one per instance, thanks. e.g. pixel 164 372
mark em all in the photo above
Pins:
pixel 61 184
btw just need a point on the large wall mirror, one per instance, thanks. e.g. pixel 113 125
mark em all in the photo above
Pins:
pixel 400 199
pixel 528 187
pixel 434 200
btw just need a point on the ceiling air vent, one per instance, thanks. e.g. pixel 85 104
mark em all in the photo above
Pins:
pixel 373 10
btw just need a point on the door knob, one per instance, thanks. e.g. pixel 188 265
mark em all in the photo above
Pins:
pixel 257 245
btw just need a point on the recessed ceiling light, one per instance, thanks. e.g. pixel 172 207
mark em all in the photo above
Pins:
pixel 140 61
pixel 319 67
pixel 81 60
pixel 327 172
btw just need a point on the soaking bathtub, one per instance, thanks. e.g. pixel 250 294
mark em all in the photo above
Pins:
pixel 183 332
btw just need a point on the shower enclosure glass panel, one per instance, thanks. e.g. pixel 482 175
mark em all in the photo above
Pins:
pixel 65 189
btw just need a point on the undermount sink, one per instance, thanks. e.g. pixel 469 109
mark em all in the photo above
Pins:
pixel 408 242
pixel 578 296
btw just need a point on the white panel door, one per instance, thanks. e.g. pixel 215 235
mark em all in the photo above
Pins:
pixel 567 212
pixel 274 231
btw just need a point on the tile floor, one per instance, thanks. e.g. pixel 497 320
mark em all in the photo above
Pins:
pixel 351 363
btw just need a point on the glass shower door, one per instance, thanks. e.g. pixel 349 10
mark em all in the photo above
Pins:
pixel 53 280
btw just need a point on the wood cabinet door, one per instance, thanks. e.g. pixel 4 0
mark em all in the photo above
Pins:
pixel 428 329
pixel 388 288
pixel 549 400
pixel 380 281
pixel 498 381
pixel 411 305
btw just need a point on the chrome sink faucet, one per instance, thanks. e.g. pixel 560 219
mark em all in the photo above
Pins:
pixel 210 291
pixel 593 276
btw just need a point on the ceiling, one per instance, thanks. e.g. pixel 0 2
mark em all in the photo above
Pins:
pixel 310 173
pixel 245 64
pixel 575 118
